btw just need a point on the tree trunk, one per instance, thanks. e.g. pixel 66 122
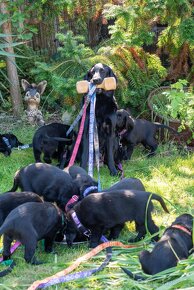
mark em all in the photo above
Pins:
pixel 11 64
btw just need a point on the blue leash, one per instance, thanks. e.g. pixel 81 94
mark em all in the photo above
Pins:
pixel 93 139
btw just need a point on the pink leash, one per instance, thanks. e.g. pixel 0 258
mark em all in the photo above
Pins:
pixel 79 137
pixel 13 248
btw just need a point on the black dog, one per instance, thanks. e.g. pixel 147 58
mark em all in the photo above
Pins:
pixel 51 140
pixel 48 181
pixel 126 183
pixel 10 200
pixel 82 179
pixel 105 112
pixel 29 223
pixel 7 142
pixel 135 131
pixel 100 212
pixel 175 244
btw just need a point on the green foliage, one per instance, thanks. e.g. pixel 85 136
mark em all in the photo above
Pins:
pixel 181 105
pixel 70 65
pixel 135 21
pixel 176 103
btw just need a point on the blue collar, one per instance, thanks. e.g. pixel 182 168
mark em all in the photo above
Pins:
pixel 89 190
pixel 6 141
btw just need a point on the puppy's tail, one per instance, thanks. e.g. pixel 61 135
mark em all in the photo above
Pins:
pixel 159 125
pixel 161 201
pixel 15 181
pixel 133 276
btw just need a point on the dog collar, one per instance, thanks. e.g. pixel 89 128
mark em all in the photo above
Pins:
pixel 182 228
pixel 78 224
pixel 73 199
pixel 6 141
pixel 89 189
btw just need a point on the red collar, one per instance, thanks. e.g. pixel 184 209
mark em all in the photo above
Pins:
pixel 73 199
pixel 182 228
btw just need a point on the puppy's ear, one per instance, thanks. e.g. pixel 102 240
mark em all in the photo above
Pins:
pixel 25 84
pixel 41 87
pixel 129 123
pixel 88 76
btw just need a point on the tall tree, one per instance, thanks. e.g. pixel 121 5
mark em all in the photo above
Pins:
pixel 11 63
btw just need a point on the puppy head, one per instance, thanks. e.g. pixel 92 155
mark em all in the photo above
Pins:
pixel 185 220
pixel 98 72
pixel 84 181
pixel 124 120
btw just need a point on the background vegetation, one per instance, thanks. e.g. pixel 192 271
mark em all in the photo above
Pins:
pixel 147 44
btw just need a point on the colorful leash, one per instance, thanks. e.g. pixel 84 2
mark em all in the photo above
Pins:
pixel 91 133
pixel 93 140
pixel 13 248
pixel 60 275
pixel 10 263
pixel 97 153
pixel 79 136
pixel 81 128
pixel 88 97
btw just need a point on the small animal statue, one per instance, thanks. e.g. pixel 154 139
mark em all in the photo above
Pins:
pixel 32 98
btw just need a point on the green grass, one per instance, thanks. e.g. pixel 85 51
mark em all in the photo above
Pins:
pixel 170 173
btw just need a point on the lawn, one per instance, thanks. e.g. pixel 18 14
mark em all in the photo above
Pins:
pixel 170 173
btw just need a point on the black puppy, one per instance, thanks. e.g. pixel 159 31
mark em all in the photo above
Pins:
pixel 125 183
pixel 105 113
pixel 10 200
pixel 7 142
pixel 102 211
pixel 134 131
pixel 29 223
pixel 48 181
pixel 51 140
pixel 82 179
pixel 175 244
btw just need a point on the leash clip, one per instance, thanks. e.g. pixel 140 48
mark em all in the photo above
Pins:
pixel 87 233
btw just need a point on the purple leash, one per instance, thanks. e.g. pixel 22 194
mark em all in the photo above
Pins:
pixel 82 274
